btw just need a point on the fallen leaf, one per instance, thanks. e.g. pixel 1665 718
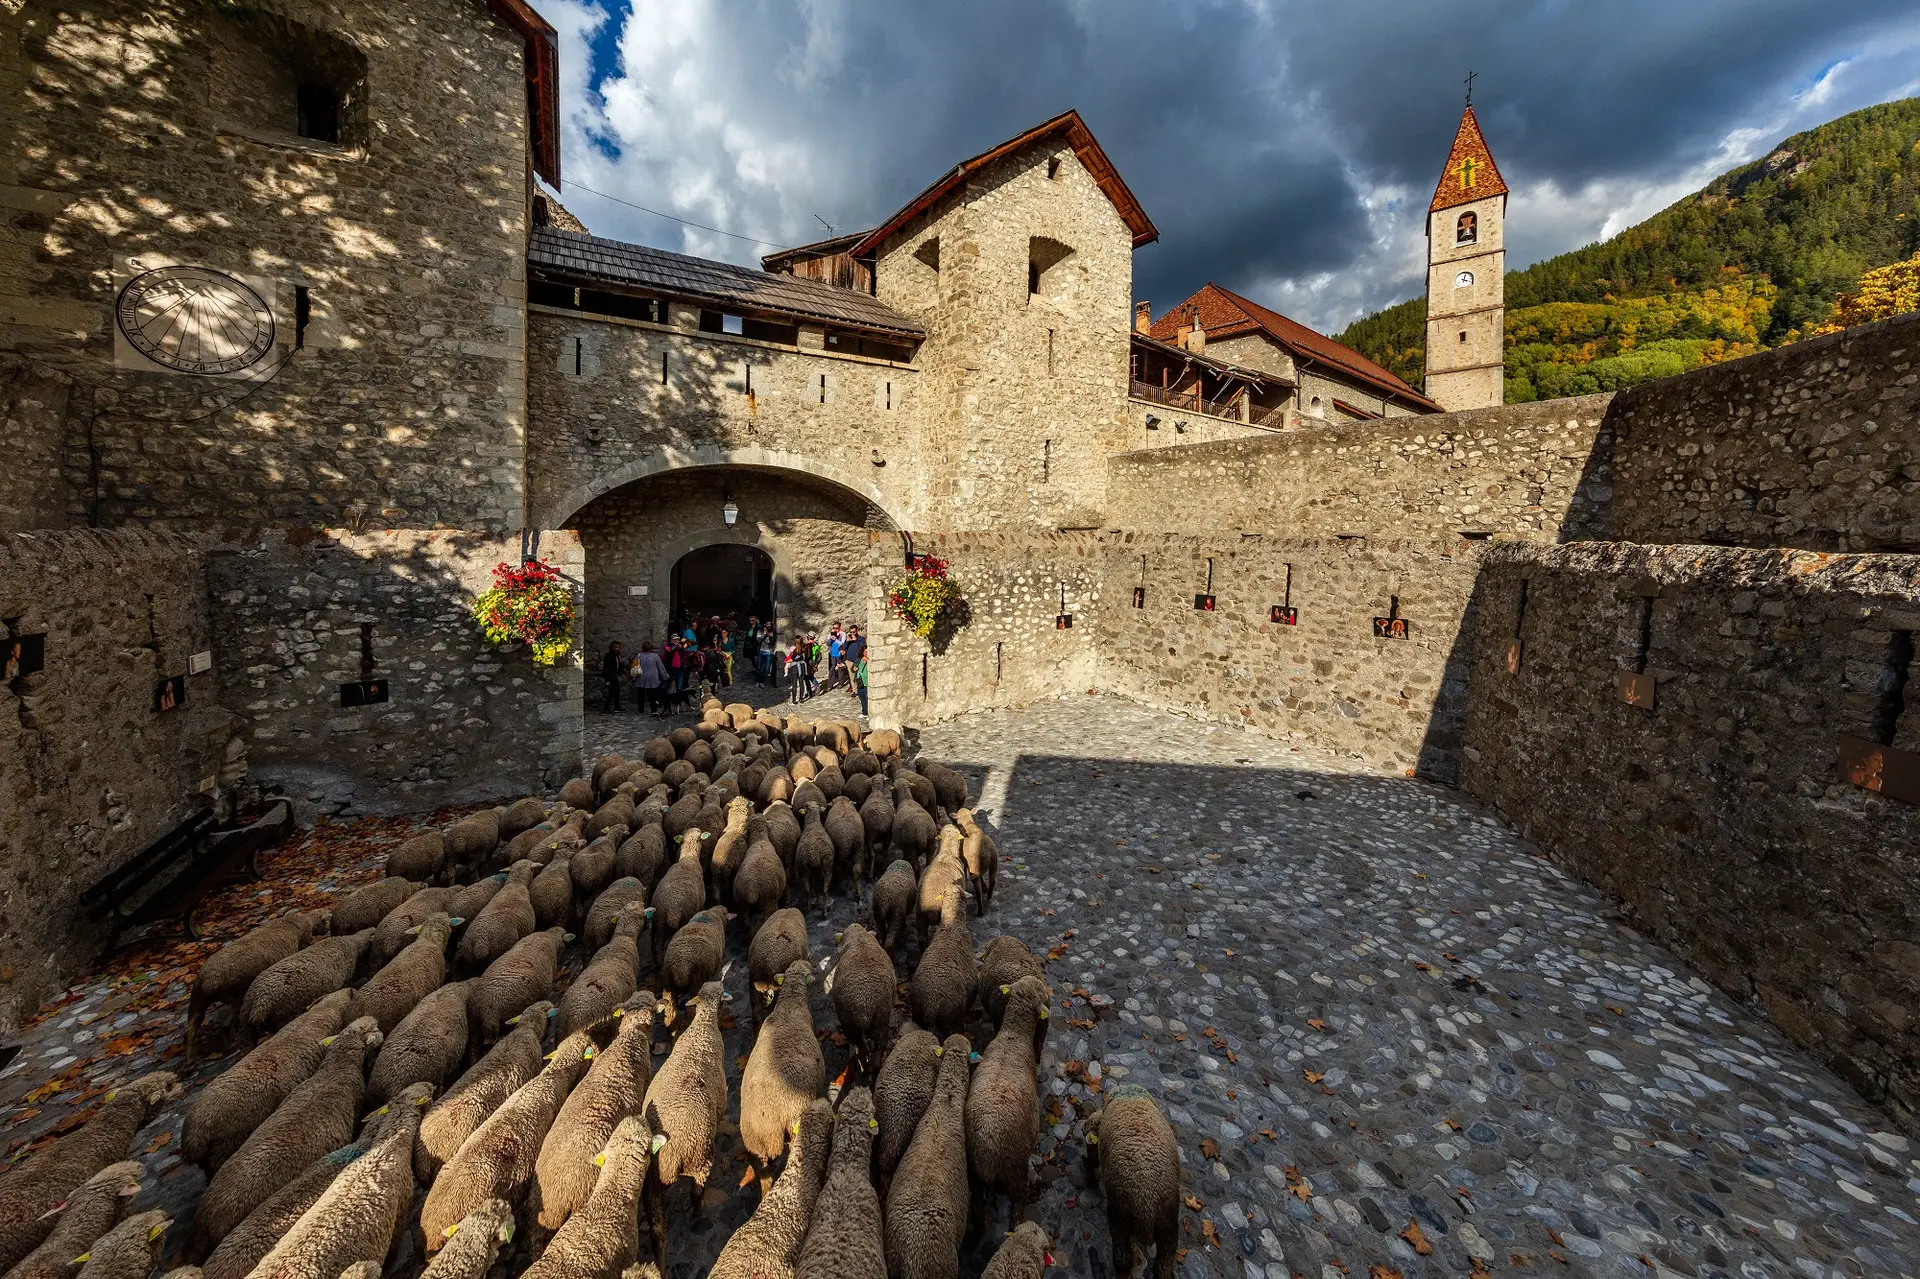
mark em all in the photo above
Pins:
pixel 1378 1271
pixel 1212 1232
pixel 1209 1147
pixel 1270 1134
pixel 1056 952
pixel 1417 1238
pixel 1554 1235
pixel 1193 1203
pixel 1231 1057
pixel 1312 1076
pixel 1297 1185
pixel 1316 1023
pixel 1616 1011
pixel 746 1176
pixel 1557 1257
pixel 1424 967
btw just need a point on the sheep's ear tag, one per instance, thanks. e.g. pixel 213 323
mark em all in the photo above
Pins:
pixel 659 1142
pixel 600 1160
pixel 156 1232
pixel 973 1056
pixel 549 1056
pixel 939 1050
pixel 1006 990
pixel 873 1125
pixel 456 921
pixel 552 1013
pixel 414 931
pixel 619 1012
pixel 1044 1014
pixel 566 937
pixel 323 1043
pixel 514 1020
pixel 383 1110
pixel 794 1128
pixel 83 1257
pixel 648 913
pixel 506 1232
pixel 780 979
pixel 448 1232
pixel 1049 1256
pixel 1093 1139
pixel 587 1056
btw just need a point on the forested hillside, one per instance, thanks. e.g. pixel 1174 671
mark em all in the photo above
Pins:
pixel 1759 257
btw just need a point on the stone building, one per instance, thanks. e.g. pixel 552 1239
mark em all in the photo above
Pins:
pixel 1466 276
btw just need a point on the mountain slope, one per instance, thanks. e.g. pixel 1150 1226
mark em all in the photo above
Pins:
pixel 1757 257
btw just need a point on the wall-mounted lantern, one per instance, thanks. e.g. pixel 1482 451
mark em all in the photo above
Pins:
pixel 730 512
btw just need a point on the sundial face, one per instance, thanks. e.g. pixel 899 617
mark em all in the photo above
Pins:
pixel 193 319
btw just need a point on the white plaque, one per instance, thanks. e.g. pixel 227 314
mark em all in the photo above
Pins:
pixel 200 663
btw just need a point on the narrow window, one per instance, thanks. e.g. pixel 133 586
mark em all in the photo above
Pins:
pixel 889 395
pixel 746 374
pixel 1053 169
pixel 1033 278
pixel 1049 352
pixel 663 368
pixel 1892 690
pixel 319 112
pixel 1644 644
pixel 998 665
pixel 823 388
pixel 366 650
pixel 1046 459
pixel 576 357
pixel 302 314
pixel 1463 335
pixel 923 674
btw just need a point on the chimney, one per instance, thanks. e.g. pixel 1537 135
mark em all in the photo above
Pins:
pixel 1197 336
pixel 1142 316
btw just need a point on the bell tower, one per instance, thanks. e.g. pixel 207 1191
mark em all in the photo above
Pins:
pixel 1466 263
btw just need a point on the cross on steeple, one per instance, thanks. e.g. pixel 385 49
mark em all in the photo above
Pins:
pixel 1470 79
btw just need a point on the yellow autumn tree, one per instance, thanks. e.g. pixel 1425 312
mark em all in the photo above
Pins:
pixel 1884 291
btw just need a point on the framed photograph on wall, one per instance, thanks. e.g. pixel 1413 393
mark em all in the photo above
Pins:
pixel 25 655
pixel 1203 602
pixel 1390 628
pixel 170 694
pixel 363 692
pixel 1284 614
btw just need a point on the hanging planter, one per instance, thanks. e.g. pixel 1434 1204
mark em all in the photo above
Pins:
pixel 530 605
pixel 924 596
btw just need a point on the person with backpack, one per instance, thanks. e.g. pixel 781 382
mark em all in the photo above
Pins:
pixel 797 690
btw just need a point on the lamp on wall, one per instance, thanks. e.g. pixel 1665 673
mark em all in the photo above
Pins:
pixel 731 511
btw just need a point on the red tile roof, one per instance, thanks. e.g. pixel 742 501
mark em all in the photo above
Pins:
pixel 1069 126
pixel 1471 173
pixel 543 82
pixel 1225 314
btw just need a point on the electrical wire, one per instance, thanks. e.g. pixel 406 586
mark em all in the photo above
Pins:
pixel 750 239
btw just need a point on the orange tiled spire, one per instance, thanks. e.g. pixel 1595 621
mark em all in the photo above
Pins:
pixel 1471 173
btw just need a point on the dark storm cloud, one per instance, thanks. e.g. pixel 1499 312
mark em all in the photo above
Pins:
pixel 1284 149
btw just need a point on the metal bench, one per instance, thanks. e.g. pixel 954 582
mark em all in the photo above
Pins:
pixel 168 878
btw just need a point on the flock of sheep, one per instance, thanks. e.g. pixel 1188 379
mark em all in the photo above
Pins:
pixel 413 1039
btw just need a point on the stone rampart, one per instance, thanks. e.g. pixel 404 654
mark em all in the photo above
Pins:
pixel 93 769
pixel 1718 813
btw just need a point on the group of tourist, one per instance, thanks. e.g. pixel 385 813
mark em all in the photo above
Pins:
pixel 703 652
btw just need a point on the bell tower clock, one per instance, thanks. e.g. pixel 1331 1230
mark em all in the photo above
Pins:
pixel 1466 265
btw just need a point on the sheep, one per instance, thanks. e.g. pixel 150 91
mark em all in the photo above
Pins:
pixel 601 1240
pixel 501 923
pixel 836 735
pixel 802 767
pixel 760 885
pixel 472 839
pixel 1005 961
pixel 510 1063
pixel 767 1244
pixel 394 933
pixel 1003 1105
pixel 901 1092
pixel 685 1104
pixel 684 811
pixel 643 854
pixel 913 828
pixel 1131 1149
pixel 729 850
pixel 577 793
pixel 427 1045
pixel 288 988
pixel 693 959
pixel 883 743
pixel 982 856
pixel 844 1236
pixel 316 1117
pixel 605 910
pixel 551 892
pixel 467 901
pixel 876 815
pixel 857 787
pixel 614 1086
pixel 784 1071
pixel 239 1098
pixel 609 979
pixel 944 876
pixel 229 971
pixel 473 1244
pixel 783 828
pixel 894 897
pixel 860 763
pixel 264 1226
pixel 807 795
pixel 88 1213
pixel 849 836
pixel 682 738
pixel 949 787
pixel 127 1251
pixel 511 982
pixel 813 860
pixel 521 815
pixel 593 867
pixel 617 811
pixel 778 942
pixel 927 1203
pixel 776 786
pixel 861 985
pixel 919 787
pixel 355 1217
pixel 1023 1254
pixel 408 978
pixel 831 781
pixel 678 897
pixel 700 755
pixel 419 858
pixel 497 1159
pixel 944 979
pixel 367 905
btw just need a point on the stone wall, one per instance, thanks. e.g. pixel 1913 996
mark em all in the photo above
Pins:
pixel 1814 445
pixel 1719 816
pixel 1008 648
pixel 33 414
pixel 298 613
pixel 1173 427
pixel 604 415
pixel 146 134
pixel 1395 703
pixel 815 534
pixel 1537 471
pixel 91 770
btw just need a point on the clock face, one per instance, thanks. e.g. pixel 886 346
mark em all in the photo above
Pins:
pixel 1464 280
pixel 193 319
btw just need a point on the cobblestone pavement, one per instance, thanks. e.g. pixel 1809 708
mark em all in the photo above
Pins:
pixel 1392 1040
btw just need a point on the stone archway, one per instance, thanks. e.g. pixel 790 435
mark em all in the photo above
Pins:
pixel 672 460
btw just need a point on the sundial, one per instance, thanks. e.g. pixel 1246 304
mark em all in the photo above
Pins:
pixel 194 319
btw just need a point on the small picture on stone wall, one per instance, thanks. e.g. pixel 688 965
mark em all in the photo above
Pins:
pixel 1064 622
pixel 363 692
pixel 1513 658
pixel 26 655
pixel 170 694
pixel 1389 628
pixel 1203 602
pixel 1139 597
pixel 1284 615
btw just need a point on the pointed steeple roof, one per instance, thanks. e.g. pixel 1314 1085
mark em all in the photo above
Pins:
pixel 1471 173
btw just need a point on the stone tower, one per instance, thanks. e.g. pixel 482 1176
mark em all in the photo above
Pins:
pixel 1466 263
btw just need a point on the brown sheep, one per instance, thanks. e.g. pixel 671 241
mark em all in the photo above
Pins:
pixel 604 913
pixel 1132 1149
pixel 767 1245
pixel 367 905
pixel 982 856
pixel 30 1191
pixel 643 854
pixel 861 985
pixel 408 978
pixel 682 816
pixel 784 1072
pixel 760 885
pixel 949 787
pixel 478 1093
pixel 777 943
pixel 239 1098
pixel 944 979
pixel 729 851
pixel 900 1095
pixel 127 1251
pixel 88 1213
pixel 1003 1106
pixel 469 900
pixel 229 971
pixel 913 829
pixel 288 988
pixel 693 958
pixel 419 858
pixel 685 1103
pixel 593 866
pixel 521 815
pixel 426 1047
pixel 610 977
pixel 500 924
pixel 551 892
pixel 1005 961
pixel 394 933
pixel 776 787
pixel 1023 1254
pixel 895 895
pixel 318 1116
pixel 601 1240
pixel 678 897
pixel 577 793
pixel 658 753
pixel 876 815
pixel 813 861
pixel 944 876
pixel 472 839
pixel 849 836
pixel 927 1203
pixel 614 1085
pixel 844 1238
pixel 519 977
pixel 883 743
pixel 617 811
pixel 474 1244
pixel 857 787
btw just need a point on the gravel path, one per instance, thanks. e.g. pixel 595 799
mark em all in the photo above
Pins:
pixel 1392 1039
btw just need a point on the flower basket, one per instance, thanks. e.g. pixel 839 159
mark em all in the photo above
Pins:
pixel 924 596
pixel 529 604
